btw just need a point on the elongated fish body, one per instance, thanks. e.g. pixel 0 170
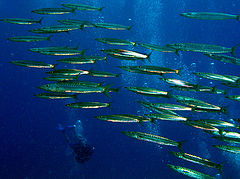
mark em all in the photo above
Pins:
pixel 218 77
pixel 227 139
pixel 21 21
pixel 58 28
pixel 88 105
pixel 200 88
pixel 224 58
pixel 167 117
pixel 197 160
pixel 57 51
pixel 53 11
pixel 113 41
pixel 228 148
pixel 195 102
pixel 210 109
pixel 82 59
pixel 178 82
pixel 227 134
pixel 232 85
pixel 33 64
pixel 201 125
pixel 113 26
pixel 76 22
pixel 172 107
pixel 203 48
pixel 39 31
pixel 148 91
pixel 189 172
pixel 126 54
pixel 234 97
pixel 126 118
pixel 218 123
pixel 61 78
pixel 158 48
pixel 29 38
pixel 209 15
pixel 152 138
pixel 71 72
pixel 80 83
pixel 159 110
pixel 133 69
pixel 83 7
pixel 68 87
pixel 157 69
pixel 102 74
pixel 56 95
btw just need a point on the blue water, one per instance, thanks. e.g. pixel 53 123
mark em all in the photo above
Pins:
pixel 32 147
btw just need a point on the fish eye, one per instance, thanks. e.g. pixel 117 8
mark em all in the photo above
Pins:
pixel 47 85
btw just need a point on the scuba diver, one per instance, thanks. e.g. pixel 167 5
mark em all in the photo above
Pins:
pixel 82 150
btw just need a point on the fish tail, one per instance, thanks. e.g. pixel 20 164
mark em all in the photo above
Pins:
pixel 73 11
pixel 107 89
pixel 177 52
pixel 220 168
pixel 225 92
pixel 234 48
pixel 40 21
pixel 134 44
pixel 75 96
pixel 49 37
pixel 130 27
pixel 100 9
pixel 148 56
pixel 152 121
pixel 106 59
pixel 77 46
pixel 117 89
pixel 238 18
pixel 169 94
pixel 180 145
pixel 83 52
pixel 225 110
pixel 221 132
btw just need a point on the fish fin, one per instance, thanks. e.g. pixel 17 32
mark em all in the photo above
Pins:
pixel 197 87
pixel 152 121
pixel 73 11
pixel 148 56
pixel 224 110
pixel 49 37
pixel 214 89
pixel 180 145
pixel 67 32
pixel 106 59
pixel 234 48
pixel 117 75
pixel 40 21
pixel 100 9
pixel 238 18
pixel 140 122
pixel 169 94
pixel 225 92
pixel 75 96
pixel 117 89
pixel 77 46
pixel 177 53
pixel 221 132
pixel 83 52
pixel 220 167
pixel 130 27
pixel 106 90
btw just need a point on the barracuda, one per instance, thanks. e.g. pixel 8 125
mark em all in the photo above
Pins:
pixel 82 59
pixel 69 87
pixel 124 118
pixel 149 91
pixel 158 48
pixel 77 22
pixel 22 21
pixel 113 26
pixel 224 58
pixel 113 41
pixel 198 160
pixel 56 96
pixel 157 70
pixel 153 138
pixel 29 38
pixel 32 64
pixel 209 16
pixel 228 148
pixel 51 11
pixel 203 48
pixel 71 72
pixel 88 105
pixel 166 117
pixel 218 77
pixel 83 7
pixel 189 172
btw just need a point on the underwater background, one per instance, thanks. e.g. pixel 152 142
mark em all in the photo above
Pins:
pixel 31 145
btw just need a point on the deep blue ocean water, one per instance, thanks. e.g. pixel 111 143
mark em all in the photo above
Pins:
pixel 32 147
